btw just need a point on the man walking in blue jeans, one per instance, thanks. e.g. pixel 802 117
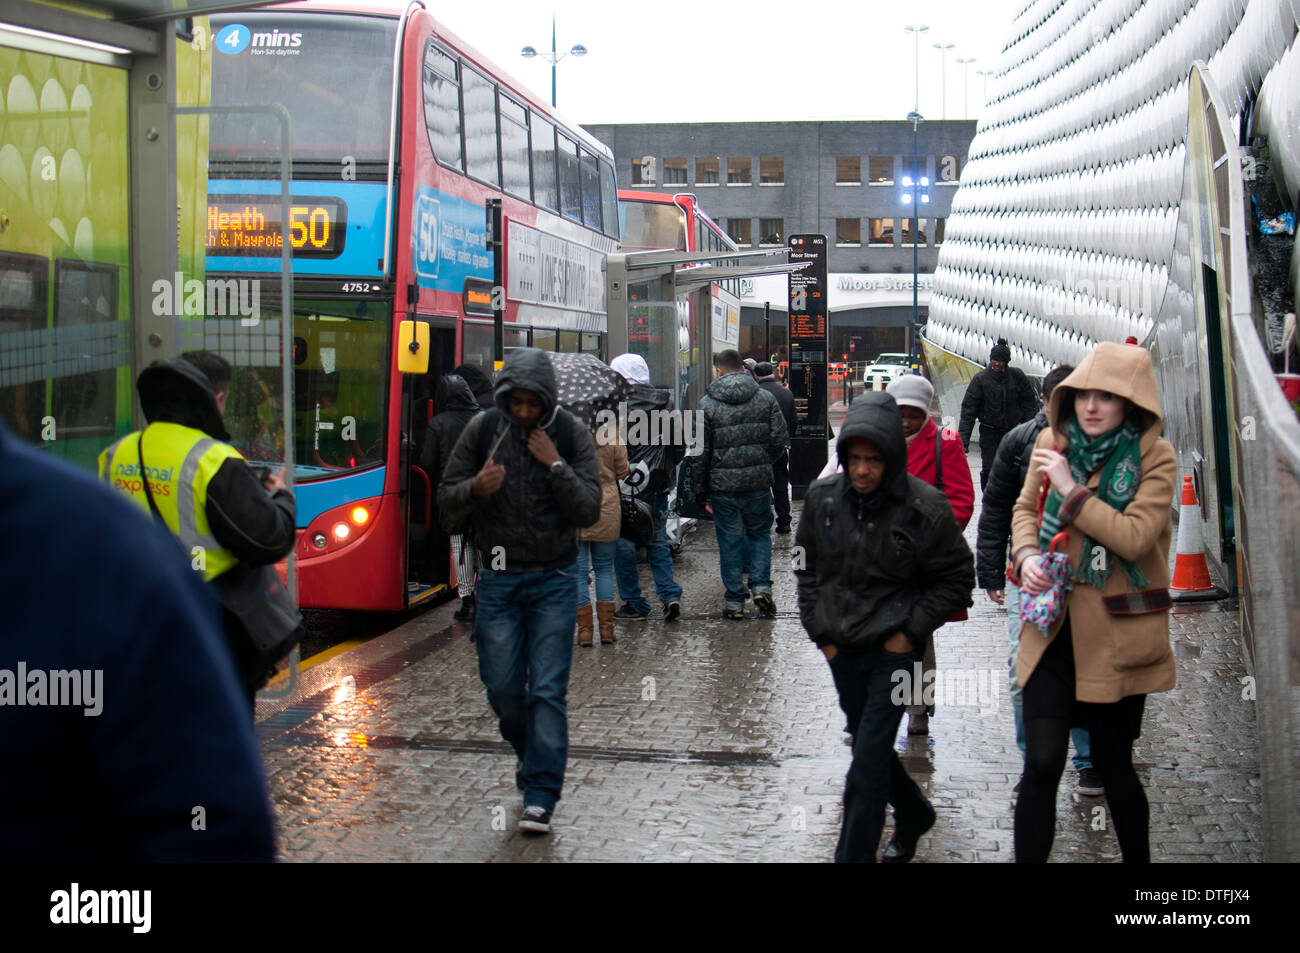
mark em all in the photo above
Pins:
pixel 744 432
pixel 654 466
pixel 881 564
pixel 524 475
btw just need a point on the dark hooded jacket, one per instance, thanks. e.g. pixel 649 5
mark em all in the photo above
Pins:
pixel 744 432
pixel 1010 467
pixel 998 401
pixel 456 407
pixel 894 561
pixel 536 515
pixel 653 463
pixel 479 383
pixel 258 529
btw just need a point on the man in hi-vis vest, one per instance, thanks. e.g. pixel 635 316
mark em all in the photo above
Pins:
pixel 232 527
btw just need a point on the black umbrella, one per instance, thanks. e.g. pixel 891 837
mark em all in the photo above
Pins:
pixel 586 385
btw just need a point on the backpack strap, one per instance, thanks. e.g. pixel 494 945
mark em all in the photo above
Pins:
pixel 144 479
pixel 938 459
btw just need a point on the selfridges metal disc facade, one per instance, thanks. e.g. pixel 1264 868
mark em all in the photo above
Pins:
pixel 1063 230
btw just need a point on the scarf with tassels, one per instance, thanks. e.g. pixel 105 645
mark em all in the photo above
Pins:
pixel 1117 455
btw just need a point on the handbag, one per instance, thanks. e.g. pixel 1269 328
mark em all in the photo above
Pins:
pixel 691 499
pixel 637 520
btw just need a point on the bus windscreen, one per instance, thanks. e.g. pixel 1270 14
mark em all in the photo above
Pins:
pixel 333 74
pixel 649 225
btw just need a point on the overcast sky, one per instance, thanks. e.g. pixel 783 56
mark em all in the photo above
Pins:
pixel 722 60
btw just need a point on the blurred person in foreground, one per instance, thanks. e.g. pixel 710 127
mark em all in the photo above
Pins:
pixel 153 757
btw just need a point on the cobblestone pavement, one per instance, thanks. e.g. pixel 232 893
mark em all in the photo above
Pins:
pixel 711 740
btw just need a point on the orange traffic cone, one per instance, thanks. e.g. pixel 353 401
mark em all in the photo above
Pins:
pixel 1191 580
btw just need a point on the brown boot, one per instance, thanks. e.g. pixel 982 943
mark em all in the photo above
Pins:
pixel 585 630
pixel 605 612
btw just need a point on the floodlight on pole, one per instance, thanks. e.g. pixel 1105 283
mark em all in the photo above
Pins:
pixel 965 62
pixel 914 197
pixel 943 49
pixel 528 52
pixel 984 74
pixel 916 30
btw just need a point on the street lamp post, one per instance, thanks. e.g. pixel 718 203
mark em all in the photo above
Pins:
pixel 984 74
pixel 915 198
pixel 965 62
pixel 943 49
pixel 553 57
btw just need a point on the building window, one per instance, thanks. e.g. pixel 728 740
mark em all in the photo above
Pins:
pixel 771 170
pixel 938 230
pixel 848 232
pixel 947 169
pixel 771 231
pixel 905 230
pixel 739 230
pixel 706 170
pixel 546 187
pixel 643 170
pixel 848 170
pixel 740 170
pixel 881 170
pixel 674 170
pixel 880 231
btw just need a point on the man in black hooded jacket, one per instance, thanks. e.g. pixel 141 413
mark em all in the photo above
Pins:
pixel 524 477
pixel 999 397
pixel 881 564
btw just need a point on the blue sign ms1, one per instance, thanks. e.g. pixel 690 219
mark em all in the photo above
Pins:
pixel 427 255
pixel 233 38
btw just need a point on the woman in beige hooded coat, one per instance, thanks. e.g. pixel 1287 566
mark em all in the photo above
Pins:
pixel 1111 485
pixel 597 543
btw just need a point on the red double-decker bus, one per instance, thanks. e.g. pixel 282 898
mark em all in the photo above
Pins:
pixel 402 133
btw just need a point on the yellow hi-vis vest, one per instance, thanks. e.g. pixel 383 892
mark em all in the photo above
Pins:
pixel 180 462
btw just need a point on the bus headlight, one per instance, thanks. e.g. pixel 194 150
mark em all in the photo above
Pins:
pixel 341 531
pixel 319 541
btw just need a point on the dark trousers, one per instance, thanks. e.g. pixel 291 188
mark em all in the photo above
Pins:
pixel 781 488
pixel 989 440
pixel 872 697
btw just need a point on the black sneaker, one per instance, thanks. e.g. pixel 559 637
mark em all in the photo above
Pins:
pixel 519 775
pixel 733 614
pixel 672 611
pixel 1090 783
pixel 625 611
pixel 765 604
pixel 536 820
pixel 466 611
pixel 783 528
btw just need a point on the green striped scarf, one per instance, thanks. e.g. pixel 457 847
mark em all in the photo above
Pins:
pixel 1116 454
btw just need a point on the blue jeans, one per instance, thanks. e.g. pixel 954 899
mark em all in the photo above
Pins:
pixel 660 557
pixel 602 558
pixel 872 698
pixel 524 632
pixel 743 522
pixel 1082 743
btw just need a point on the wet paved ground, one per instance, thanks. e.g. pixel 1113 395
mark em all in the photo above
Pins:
pixel 715 740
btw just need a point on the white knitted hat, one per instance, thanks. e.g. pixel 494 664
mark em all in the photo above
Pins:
pixel 912 390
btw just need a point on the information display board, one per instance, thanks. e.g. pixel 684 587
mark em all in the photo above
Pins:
pixel 807 380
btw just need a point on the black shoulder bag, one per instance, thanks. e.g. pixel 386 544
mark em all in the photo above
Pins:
pixel 938 460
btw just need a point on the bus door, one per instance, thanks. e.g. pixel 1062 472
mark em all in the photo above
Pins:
pixel 428 563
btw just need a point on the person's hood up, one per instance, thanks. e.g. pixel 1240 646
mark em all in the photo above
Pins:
pixel 173 390
pixel 454 393
pixel 874 416
pixel 1123 369
pixel 733 388
pixel 633 367
pixel 528 369
pixel 649 397
pixel 479 382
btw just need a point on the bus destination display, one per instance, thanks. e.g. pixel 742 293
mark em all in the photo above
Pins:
pixel 250 225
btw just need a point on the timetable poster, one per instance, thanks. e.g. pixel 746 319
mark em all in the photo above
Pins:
pixel 807 380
